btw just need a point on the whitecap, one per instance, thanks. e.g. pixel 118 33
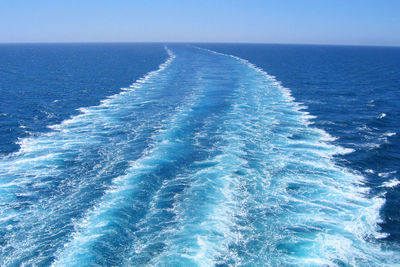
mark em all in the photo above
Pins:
pixel 389 134
pixel 386 174
pixel 344 151
pixel 381 116
pixel 391 183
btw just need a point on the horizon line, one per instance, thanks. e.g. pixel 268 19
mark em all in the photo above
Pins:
pixel 201 42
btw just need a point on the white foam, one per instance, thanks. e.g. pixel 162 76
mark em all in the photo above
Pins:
pixel 386 174
pixel 381 116
pixel 390 184
pixel 343 151
pixel 325 136
pixel 388 134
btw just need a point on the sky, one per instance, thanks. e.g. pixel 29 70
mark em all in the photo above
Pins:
pixel 348 22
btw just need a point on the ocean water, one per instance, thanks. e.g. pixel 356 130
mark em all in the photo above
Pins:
pixel 44 84
pixel 354 92
pixel 195 155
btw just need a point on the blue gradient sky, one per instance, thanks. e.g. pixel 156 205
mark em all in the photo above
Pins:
pixel 365 22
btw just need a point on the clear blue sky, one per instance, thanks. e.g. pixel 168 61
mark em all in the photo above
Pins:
pixel 366 22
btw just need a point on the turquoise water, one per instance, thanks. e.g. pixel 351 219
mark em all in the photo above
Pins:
pixel 207 160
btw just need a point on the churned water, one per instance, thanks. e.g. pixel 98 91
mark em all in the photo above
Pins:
pixel 206 160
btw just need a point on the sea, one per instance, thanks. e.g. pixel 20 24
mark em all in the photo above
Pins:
pixel 151 154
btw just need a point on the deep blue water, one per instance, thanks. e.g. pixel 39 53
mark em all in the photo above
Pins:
pixel 202 158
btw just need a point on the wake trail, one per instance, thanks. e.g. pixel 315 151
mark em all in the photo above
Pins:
pixel 206 161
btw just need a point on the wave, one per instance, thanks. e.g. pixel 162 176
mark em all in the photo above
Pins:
pixel 206 161
pixel 381 116
pixel 390 184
